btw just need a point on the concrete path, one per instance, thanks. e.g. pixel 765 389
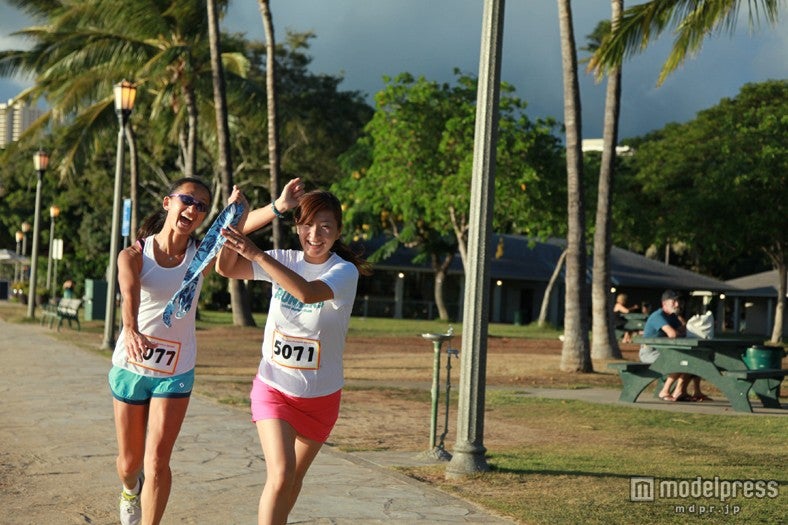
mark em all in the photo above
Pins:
pixel 57 455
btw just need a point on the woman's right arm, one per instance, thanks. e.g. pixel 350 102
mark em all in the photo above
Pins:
pixel 129 269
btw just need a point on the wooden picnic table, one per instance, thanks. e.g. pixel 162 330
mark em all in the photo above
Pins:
pixel 717 361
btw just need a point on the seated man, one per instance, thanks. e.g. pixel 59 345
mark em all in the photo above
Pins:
pixel 665 322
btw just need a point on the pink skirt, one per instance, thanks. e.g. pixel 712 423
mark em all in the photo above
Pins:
pixel 312 417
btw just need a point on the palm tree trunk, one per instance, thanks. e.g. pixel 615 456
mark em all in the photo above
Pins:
pixel 190 160
pixel 239 299
pixel 548 291
pixel 271 101
pixel 604 343
pixel 778 262
pixel 575 355
pixel 134 184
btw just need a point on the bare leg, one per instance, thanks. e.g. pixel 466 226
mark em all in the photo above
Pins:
pixel 698 395
pixel 130 423
pixel 164 425
pixel 287 459
pixel 678 382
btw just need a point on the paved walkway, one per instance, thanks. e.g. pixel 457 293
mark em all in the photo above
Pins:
pixel 57 455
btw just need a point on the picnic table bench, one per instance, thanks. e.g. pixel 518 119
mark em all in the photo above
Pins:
pixel 717 361
pixel 634 324
pixel 64 309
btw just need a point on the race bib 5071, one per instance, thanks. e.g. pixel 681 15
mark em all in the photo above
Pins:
pixel 295 352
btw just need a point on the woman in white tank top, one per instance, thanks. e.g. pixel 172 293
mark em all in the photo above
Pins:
pixel 153 364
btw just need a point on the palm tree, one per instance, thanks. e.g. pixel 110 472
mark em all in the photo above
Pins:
pixel 693 21
pixel 83 48
pixel 604 344
pixel 274 162
pixel 239 298
pixel 575 355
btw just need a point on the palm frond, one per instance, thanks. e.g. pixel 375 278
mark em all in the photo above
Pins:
pixel 692 21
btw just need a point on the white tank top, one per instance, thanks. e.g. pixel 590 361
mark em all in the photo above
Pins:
pixel 176 346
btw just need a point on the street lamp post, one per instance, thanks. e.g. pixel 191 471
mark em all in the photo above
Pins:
pixel 40 162
pixel 18 266
pixel 25 230
pixel 54 211
pixel 469 451
pixel 125 93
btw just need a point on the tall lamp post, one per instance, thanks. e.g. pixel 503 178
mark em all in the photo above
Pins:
pixel 469 450
pixel 125 93
pixel 40 162
pixel 54 211
pixel 18 267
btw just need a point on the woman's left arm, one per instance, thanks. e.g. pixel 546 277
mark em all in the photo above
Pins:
pixel 303 290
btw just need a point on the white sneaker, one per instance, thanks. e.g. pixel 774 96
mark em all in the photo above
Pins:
pixel 130 510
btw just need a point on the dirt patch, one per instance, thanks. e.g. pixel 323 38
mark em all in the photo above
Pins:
pixel 386 404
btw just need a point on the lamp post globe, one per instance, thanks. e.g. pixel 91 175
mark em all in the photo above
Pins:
pixel 26 227
pixel 54 211
pixel 125 94
pixel 40 163
pixel 18 267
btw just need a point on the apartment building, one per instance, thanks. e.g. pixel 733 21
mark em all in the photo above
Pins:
pixel 15 118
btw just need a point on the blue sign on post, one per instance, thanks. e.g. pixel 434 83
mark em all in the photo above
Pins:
pixel 126 226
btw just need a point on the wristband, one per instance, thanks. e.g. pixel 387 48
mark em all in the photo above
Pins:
pixel 279 214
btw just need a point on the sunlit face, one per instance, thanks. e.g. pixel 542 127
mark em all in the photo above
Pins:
pixel 318 235
pixel 187 207
pixel 670 306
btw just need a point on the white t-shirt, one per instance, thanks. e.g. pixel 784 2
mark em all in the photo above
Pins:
pixel 176 348
pixel 303 343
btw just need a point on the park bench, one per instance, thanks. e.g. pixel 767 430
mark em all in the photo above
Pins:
pixel 765 383
pixel 65 309
pixel 635 377
pixel 717 361
pixel 49 312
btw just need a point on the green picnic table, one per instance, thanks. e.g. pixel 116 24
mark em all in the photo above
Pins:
pixel 717 361
pixel 634 323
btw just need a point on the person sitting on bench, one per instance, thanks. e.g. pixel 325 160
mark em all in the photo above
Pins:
pixel 665 322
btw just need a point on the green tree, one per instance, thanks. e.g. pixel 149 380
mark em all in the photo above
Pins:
pixel 721 181
pixel 411 171
pixel 318 121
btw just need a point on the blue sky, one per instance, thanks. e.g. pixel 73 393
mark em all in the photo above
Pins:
pixel 365 40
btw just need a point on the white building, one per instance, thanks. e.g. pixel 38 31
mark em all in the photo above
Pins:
pixel 15 118
pixel 597 145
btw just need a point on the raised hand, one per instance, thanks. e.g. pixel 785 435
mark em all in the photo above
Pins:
pixel 291 195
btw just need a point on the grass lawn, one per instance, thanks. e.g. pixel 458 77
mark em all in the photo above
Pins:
pixel 579 468
pixel 551 461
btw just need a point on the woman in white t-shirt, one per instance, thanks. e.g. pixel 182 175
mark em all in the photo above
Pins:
pixel 296 392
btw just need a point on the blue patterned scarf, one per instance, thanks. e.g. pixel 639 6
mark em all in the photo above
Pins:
pixel 213 241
